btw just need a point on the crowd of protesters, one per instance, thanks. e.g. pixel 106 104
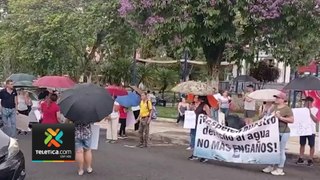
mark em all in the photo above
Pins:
pixel 18 102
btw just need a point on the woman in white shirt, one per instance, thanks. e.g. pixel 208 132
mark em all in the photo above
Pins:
pixel 224 103
pixel 24 102
pixel 112 124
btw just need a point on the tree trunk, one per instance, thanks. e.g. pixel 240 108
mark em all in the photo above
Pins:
pixel 214 76
pixel 214 55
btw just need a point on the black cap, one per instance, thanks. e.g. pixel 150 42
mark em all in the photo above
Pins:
pixel 308 98
pixel 250 86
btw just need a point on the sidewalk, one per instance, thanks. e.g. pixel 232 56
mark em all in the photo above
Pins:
pixel 167 131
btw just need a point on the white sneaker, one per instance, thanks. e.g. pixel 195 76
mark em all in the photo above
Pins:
pixel 278 172
pixel 189 148
pixel 268 169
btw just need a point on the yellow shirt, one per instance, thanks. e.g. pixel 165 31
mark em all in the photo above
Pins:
pixel 145 108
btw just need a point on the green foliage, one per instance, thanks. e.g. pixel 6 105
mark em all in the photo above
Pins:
pixel 229 30
pixel 166 78
pixel 117 71
pixel 293 38
pixel 63 36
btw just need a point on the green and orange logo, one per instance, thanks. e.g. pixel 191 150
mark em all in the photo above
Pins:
pixel 53 137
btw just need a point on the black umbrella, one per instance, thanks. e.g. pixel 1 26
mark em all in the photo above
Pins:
pixel 86 103
pixel 23 84
pixel 21 77
pixel 303 84
pixel 245 78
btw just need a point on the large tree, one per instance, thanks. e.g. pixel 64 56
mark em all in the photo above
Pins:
pixel 63 36
pixel 289 29
pixel 242 27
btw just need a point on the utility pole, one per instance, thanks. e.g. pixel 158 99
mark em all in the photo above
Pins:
pixel 185 65
pixel 134 68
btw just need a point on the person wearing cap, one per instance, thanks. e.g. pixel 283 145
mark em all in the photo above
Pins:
pixel 249 105
pixel 308 103
pixel 284 115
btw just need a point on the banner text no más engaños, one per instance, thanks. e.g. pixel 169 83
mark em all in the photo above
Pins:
pixel 257 143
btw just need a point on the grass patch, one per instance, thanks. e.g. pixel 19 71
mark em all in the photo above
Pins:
pixel 167 112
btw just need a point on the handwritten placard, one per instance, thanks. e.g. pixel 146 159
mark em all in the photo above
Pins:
pixel 302 125
pixel 95 129
pixel 189 120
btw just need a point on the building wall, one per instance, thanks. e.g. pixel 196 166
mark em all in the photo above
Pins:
pixel 285 71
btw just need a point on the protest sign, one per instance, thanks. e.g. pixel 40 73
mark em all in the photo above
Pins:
pixel 22 122
pixel 303 124
pixel 130 118
pixel 319 142
pixel 37 115
pixel 189 120
pixel 95 129
pixel 257 143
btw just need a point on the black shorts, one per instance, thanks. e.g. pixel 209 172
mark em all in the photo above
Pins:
pixel 311 140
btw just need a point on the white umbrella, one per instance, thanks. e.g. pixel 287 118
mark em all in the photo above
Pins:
pixel 194 87
pixel 264 95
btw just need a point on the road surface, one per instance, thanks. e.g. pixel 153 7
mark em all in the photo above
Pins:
pixel 159 162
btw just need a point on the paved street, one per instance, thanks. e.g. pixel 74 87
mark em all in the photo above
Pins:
pixel 159 162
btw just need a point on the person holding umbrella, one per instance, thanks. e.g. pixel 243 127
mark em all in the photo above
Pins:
pixel 200 106
pixel 123 122
pixel 98 105
pixel 83 136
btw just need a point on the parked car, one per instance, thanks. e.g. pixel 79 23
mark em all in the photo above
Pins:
pixel 12 163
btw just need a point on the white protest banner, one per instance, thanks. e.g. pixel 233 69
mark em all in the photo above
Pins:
pixel 257 143
pixel 189 120
pixel 95 129
pixel 302 125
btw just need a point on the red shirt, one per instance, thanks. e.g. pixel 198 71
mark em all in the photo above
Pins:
pixel 49 113
pixel 122 112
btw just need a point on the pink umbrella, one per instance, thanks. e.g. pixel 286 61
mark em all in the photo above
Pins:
pixel 62 82
pixel 116 90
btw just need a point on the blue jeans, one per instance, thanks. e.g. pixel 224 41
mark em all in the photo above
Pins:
pixel 9 121
pixel 82 144
pixel 225 111
pixel 192 137
pixel 284 138
pixel 215 114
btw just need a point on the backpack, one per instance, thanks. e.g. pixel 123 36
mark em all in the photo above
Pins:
pixel 154 111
